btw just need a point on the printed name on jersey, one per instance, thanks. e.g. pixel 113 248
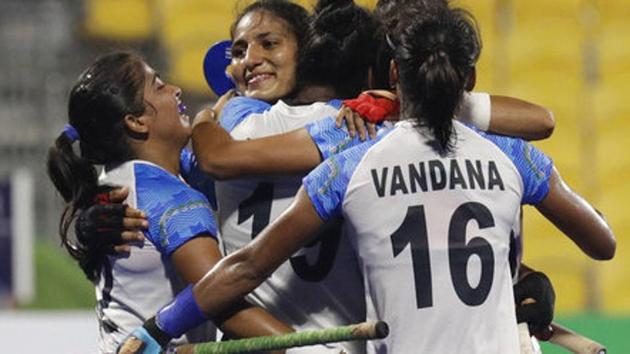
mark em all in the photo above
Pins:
pixel 435 175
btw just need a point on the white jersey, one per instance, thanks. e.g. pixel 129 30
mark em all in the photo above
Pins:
pixel 432 234
pixel 132 289
pixel 320 286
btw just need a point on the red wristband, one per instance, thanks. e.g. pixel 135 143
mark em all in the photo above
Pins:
pixel 372 109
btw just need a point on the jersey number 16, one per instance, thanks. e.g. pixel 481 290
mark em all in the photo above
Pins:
pixel 413 231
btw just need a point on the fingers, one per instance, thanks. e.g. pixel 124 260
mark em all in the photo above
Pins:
pixel 346 114
pixel 116 243
pixel 131 346
pixel 134 213
pixel 121 249
pixel 132 236
pixel 118 195
pixel 218 106
pixel 135 223
pixel 340 117
pixel 360 127
pixel 371 127
pixel 203 116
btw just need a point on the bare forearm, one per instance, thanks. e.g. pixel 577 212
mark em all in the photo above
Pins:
pixel 225 158
pixel 515 117
pixel 226 284
pixel 576 218
pixel 253 321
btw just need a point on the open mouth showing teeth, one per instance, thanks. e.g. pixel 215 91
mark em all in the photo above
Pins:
pixel 257 78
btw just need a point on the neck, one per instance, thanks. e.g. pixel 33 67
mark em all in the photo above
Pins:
pixel 165 157
pixel 315 93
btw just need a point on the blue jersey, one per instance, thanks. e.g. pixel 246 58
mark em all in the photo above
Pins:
pixel 432 233
pixel 132 289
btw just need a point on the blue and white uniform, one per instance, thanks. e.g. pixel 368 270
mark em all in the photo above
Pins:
pixel 320 286
pixel 432 233
pixel 132 289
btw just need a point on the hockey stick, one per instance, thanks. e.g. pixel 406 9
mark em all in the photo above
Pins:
pixel 560 336
pixel 524 337
pixel 574 342
pixel 360 331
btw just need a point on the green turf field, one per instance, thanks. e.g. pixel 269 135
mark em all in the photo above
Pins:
pixel 613 332
pixel 61 285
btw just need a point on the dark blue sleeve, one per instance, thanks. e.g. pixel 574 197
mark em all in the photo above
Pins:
pixel 331 140
pixel 326 185
pixel 533 165
pixel 239 108
pixel 196 178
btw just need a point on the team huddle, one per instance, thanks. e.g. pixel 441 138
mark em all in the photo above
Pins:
pixel 352 174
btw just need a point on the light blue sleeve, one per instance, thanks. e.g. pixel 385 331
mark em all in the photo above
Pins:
pixel 331 140
pixel 196 178
pixel 239 108
pixel 533 165
pixel 336 103
pixel 176 212
pixel 326 185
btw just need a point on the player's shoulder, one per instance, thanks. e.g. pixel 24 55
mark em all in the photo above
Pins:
pixel 508 145
pixel 532 164
pixel 239 108
pixel 345 163
pixel 157 186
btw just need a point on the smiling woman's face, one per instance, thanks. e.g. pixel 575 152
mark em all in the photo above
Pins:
pixel 264 56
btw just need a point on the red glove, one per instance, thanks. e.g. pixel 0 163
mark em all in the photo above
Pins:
pixel 373 109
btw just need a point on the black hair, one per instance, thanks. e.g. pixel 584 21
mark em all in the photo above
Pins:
pixel 435 52
pixel 340 47
pixel 104 94
pixel 294 15
pixel 387 13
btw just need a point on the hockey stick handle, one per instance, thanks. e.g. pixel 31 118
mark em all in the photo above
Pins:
pixel 360 331
pixel 524 337
pixel 574 342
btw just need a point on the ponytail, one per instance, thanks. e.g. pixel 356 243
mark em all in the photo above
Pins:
pixel 443 89
pixel 436 54
pixel 76 180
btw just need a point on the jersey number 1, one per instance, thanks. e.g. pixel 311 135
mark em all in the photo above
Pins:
pixel 413 231
pixel 258 206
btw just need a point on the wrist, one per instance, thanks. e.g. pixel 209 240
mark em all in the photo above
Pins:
pixel 161 337
pixel 180 315
pixel 476 109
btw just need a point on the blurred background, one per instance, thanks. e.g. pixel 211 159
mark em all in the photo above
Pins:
pixel 572 56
